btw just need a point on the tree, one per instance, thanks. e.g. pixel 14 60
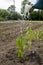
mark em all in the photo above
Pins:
pixel 11 9
pixel 3 13
pixel 16 16
pixel 36 15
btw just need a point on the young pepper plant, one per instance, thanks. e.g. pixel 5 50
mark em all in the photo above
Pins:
pixel 29 34
pixel 41 35
pixel 20 42
pixel 25 42
pixel 35 35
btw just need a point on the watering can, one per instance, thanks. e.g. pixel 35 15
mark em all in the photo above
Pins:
pixel 38 5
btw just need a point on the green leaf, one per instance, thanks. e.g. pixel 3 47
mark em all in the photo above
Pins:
pixel 20 54
pixel 35 35
pixel 41 35
pixel 24 47
pixel 29 44
pixel 29 34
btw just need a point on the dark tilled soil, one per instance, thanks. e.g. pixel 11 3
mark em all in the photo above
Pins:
pixel 8 35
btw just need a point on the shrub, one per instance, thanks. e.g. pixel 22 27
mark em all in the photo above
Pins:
pixel 36 15
pixel 2 19
pixel 16 16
